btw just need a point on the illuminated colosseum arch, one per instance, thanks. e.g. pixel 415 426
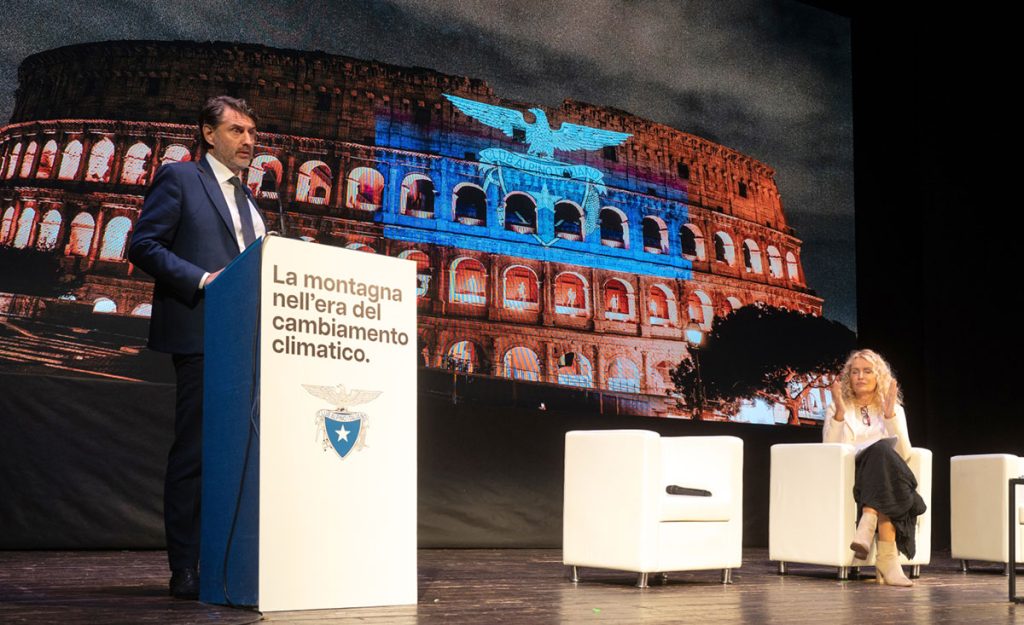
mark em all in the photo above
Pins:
pixel 25 225
pixel 104 305
pixel 365 189
pixel 725 252
pixel 135 169
pixel 572 294
pixel 469 204
pixel 462 356
pixel 700 309
pixel 792 268
pixel 28 160
pixel 568 221
pixel 101 159
pixel 661 304
pixel 614 228
pixel 423 273
pixel 752 257
pixel 46 160
pixel 115 238
pixel 619 302
pixel 418 196
pixel 49 230
pixel 175 153
pixel 12 163
pixel 574 369
pixel 774 261
pixel 143 310
pixel 358 247
pixel 732 304
pixel 521 363
pixel 71 161
pixel 520 289
pixel 662 380
pixel 623 375
pixel 520 213
pixel 7 225
pixel 83 228
pixel 314 184
pixel 692 242
pixel 265 175
pixel 655 235
pixel 467 282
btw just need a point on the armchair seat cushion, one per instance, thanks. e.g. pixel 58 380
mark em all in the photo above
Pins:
pixel 687 508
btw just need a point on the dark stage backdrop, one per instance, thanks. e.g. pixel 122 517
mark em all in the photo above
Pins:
pixel 490 473
pixel 938 284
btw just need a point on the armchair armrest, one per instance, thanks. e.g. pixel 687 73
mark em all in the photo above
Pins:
pixel 920 463
pixel 811 510
pixel 612 490
pixel 979 505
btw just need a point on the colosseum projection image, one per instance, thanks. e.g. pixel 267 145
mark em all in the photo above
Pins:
pixel 567 246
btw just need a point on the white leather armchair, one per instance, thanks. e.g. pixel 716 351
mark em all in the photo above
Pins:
pixel 812 516
pixel 617 514
pixel 979 498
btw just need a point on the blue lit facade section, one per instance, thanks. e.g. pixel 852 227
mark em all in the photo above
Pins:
pixel 442 156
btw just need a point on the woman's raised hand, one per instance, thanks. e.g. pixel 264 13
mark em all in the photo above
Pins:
pixel 889 403
pixel 837 399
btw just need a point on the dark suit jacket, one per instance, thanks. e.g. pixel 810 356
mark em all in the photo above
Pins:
pixel 184 231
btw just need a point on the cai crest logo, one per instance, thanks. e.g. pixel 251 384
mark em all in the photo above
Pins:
pixel 338 427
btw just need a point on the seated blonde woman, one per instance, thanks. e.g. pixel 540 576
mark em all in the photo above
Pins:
pixel 866 412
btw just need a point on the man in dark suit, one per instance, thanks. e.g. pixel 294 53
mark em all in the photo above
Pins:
pixel 196 218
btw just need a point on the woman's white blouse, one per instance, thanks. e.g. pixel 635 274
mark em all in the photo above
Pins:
pixel 852 429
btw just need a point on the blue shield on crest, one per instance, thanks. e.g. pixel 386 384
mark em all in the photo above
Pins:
pixel 343 430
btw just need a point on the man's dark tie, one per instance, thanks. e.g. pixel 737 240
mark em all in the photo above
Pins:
pixel 244 212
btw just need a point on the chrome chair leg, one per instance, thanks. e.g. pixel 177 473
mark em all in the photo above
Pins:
pixel 915 571
pixel 782 568
pixel 641 580
pixel 844 572
pixel 963 566
pixel 574 574
pixel 726 576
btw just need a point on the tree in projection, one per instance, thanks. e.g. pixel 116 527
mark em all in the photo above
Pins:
pixel 760 351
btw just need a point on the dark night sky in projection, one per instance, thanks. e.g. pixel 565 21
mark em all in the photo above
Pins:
pixel 768 78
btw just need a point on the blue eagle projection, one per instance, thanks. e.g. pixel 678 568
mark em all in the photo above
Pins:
pixel 542 142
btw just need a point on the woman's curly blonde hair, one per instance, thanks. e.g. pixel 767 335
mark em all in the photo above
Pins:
pixel 883 376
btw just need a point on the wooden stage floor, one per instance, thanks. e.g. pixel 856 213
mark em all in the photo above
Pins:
pixel 515 586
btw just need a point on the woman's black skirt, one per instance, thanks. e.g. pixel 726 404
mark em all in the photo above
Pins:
pixel 883 481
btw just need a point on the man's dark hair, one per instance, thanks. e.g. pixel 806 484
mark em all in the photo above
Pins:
pixel 212 114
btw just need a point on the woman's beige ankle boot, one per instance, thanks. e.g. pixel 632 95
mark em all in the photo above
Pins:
pixel 865 535
pixel 887 566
